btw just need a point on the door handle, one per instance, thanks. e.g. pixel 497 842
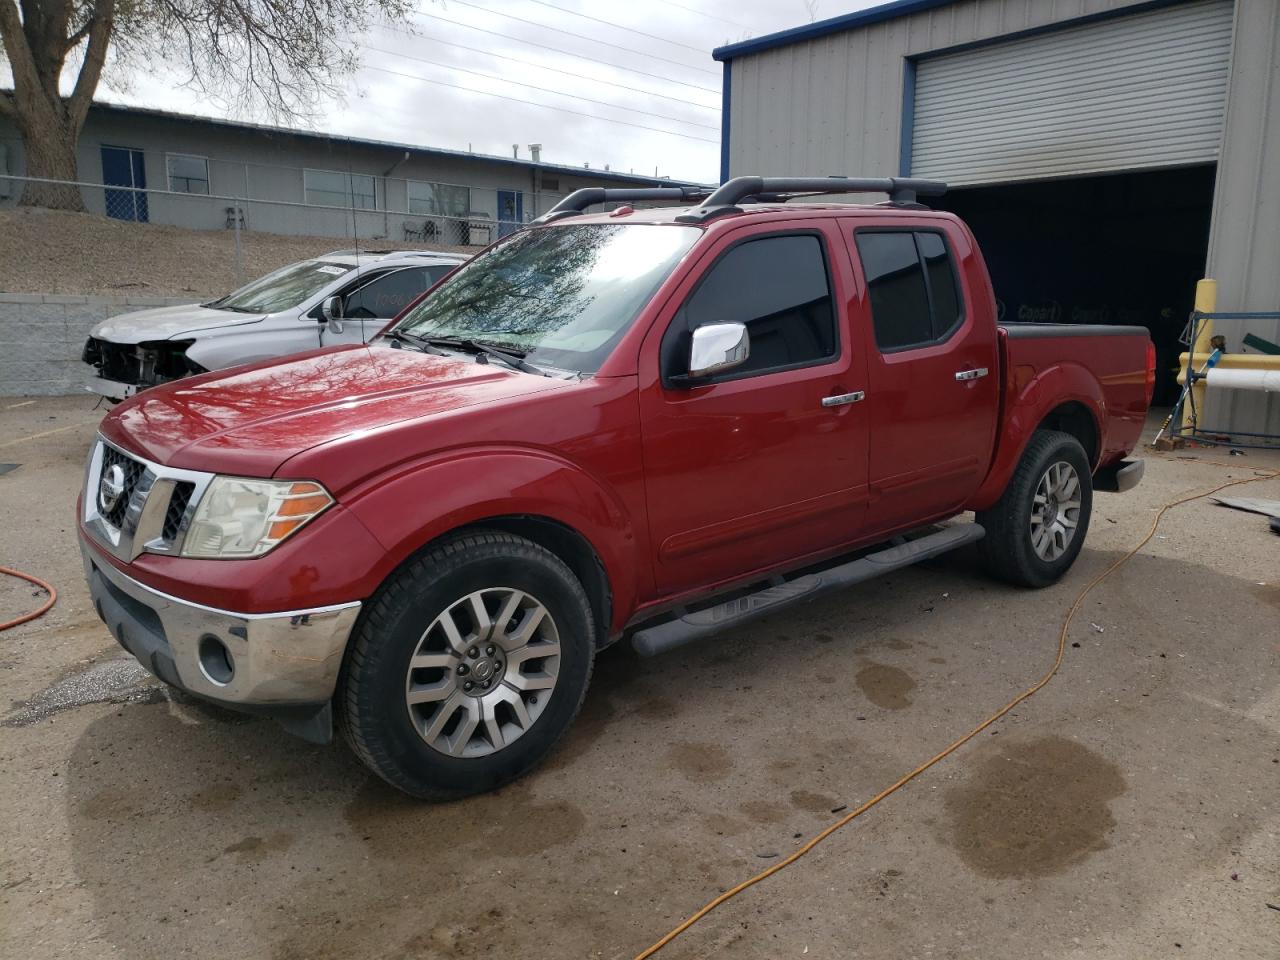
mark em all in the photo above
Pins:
pixel 842 398
pixel 971 374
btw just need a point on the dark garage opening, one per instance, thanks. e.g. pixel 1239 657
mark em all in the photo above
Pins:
pixel 1118 249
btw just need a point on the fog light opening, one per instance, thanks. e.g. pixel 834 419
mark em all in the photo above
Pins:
pixel 216 662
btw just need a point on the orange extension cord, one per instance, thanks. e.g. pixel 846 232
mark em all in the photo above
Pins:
pixel 53 598
pixel 955 745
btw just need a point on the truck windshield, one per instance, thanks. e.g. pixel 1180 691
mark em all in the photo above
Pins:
pixel 285 288
pixel 562 296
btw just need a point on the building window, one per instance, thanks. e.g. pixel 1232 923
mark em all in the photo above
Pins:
pixel 188 174
pixel 439 199
pixel 915 300
pixel 330 188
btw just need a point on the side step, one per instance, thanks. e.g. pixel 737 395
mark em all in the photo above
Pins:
pixel 661 637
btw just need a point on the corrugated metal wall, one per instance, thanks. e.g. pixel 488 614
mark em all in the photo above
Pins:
pixel 1244 243
pixel 834 105
pixel 1146 90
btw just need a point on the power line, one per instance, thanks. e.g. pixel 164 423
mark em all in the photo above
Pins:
pixel 534 103
pixel 543 66
pixel 569 53
pixel 531 86
pixel 703 13
pixel 593 40
pixel 618 26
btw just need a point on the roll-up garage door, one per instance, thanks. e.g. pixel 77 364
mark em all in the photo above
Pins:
pixel 1138 91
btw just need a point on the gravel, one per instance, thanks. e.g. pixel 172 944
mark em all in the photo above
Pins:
pixel 58 252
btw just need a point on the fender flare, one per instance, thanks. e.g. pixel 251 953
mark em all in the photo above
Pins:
pixel 456 488
pixel 1062 383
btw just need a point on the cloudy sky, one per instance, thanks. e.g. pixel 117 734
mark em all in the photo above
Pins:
pixel 632 81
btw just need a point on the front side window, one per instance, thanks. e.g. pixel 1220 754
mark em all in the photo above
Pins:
pixel 332 188
pixel 778 287
pixel 915 300
pixel 562 295
pixel 284 289
pixel 188 174
pixel 384 297
pixel 439 199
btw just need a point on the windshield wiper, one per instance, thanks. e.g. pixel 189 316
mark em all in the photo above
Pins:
pixel 400 338
pixel 512 358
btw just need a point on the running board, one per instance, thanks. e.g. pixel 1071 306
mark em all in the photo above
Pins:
pixel 661 637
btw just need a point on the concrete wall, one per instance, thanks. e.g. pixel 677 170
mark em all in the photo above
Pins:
pixel 42 335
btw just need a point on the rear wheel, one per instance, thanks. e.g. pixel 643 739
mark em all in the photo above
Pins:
pixel 472 662
pixel 1036 530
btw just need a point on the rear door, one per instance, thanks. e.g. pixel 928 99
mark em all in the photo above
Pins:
pixel 766 462
pixel 933 375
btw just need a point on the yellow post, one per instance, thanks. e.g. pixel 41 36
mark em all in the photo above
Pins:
pixel 1206 302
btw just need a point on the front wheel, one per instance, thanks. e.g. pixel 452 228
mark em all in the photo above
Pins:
pixel 471 663
pixel 1036 529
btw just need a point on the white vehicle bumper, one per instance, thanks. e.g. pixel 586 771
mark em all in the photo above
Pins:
pixel 110 388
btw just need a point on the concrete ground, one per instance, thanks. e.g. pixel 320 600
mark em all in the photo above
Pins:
pixel 1130 809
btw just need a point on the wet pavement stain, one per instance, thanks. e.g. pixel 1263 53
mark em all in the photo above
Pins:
pixel 761 811
pixel 1034 808
pixel 885 686
pixel 114 680
pixel 1268 593
pixel 812 802
pixel 254 849
pixel 397 826
pixel 701 762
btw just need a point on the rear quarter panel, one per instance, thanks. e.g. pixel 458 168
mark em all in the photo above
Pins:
pixel 1103 369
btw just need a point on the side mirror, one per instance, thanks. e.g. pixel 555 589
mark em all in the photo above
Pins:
pixel 331 310
pixel 717 347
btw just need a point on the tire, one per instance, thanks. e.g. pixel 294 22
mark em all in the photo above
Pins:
pixel 1015 548
pixel 405 665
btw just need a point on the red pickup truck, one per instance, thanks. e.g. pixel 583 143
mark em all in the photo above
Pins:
pixel 655 423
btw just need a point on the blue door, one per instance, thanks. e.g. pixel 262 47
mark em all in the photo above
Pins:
pixel 510 211
pixel 122 167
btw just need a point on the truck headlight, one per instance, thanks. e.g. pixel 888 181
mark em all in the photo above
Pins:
pixel 246 518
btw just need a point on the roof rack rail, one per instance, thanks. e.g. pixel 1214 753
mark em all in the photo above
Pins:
pixel 902 191
pixel 584 197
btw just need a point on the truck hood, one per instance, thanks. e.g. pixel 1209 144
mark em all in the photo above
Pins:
pixel 249 420
pixel 164 323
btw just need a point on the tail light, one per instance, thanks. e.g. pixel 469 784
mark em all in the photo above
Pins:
pixel 1151 371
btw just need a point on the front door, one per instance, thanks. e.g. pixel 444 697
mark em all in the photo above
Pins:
pixel 124 167
pixel 373 303
pixel 767 462
pixel 933 385
pixel 510 211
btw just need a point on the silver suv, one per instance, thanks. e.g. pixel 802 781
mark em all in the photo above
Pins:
pixel 342 297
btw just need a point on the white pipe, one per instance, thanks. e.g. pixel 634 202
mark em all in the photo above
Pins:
pixel 1268 380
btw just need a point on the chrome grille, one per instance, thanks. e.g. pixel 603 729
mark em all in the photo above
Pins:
pixel 153 509
pixel 178 503
pixel 133 471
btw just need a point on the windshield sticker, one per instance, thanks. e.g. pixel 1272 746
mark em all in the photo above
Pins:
pixel 336 271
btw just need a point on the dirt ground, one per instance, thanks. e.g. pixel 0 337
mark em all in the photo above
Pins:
pixel 53 251
pixel 1130 809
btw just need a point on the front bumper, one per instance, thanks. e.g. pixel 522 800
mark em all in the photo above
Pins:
pixel 280 664
pixel 110 388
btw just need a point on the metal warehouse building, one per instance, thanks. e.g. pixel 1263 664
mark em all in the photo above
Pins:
pixel 1107 153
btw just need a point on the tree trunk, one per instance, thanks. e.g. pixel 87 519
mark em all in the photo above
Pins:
pixel 50 151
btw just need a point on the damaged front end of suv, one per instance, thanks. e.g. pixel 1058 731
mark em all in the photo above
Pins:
pixel 125 368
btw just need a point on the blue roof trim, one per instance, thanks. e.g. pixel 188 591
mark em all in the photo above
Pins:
pixel 268 130
pixel 823 28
